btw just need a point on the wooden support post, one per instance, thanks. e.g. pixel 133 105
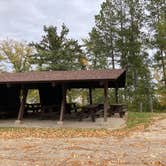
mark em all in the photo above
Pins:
pixel 41 102
pixel 90 95
pixel 105 100
pixel 116 95
pixel 22 104
pixel 63 103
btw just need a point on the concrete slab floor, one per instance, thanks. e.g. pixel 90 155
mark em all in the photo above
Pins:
pixel 112 123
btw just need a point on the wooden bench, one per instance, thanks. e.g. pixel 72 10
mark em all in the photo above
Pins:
pixel 54 110
pixel 36 107
pixel 89 110
pixel 7 111
pixel 50 108
pixel 118 108
pixel 70 107
pixel 97 110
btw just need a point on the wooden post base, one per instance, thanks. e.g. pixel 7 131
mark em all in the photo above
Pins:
pixel 18 122
pixel 60 123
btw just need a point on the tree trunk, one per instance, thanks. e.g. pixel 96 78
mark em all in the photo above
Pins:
pixel 163 67
pixel 151 104
pixel 112 54
pixel 140 107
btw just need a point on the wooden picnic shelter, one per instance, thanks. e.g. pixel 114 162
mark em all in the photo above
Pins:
pixel 53 85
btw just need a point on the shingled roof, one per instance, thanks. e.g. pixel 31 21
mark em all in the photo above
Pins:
pixel 48 76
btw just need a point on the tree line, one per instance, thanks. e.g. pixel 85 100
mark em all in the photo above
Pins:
pixel 127 34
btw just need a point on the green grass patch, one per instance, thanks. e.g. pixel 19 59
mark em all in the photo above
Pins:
pixel 136 118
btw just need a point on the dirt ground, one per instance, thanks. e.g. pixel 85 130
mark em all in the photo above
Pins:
pixel 141 148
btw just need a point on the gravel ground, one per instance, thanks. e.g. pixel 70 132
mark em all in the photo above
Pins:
pixel 144 148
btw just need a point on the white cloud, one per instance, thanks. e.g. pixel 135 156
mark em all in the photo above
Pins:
pixel 24 20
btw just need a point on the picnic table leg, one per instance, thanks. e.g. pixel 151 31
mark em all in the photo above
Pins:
pixel 80 117
pixel 93 117
pixel 75 108
pixel 81 114
pixel 121 114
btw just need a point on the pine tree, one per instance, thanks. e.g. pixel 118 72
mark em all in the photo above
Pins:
pixel 104 36
pixel 157 22
pixel 56 51
pixel 119 28
pixel 95 53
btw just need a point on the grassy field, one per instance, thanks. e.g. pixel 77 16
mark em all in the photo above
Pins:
pixel 136 118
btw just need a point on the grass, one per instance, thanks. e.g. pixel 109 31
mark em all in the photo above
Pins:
pixel 137 118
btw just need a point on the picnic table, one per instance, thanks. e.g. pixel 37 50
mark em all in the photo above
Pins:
pixel 70 107
pixel 118 108
pixel 34 107
pixel 96 110
pixel 89 110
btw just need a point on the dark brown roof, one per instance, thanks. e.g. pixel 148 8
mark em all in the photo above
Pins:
pixel 47 76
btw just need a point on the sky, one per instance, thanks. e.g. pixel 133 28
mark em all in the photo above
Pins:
pixel 23 20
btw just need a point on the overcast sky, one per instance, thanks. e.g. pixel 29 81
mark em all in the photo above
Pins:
pixel 24 19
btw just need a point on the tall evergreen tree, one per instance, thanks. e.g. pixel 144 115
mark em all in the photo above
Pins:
pixel 135 58
pixel 95 50
pixel 119 27
pixel 56 51
pixel 157 23
pixel 104 35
